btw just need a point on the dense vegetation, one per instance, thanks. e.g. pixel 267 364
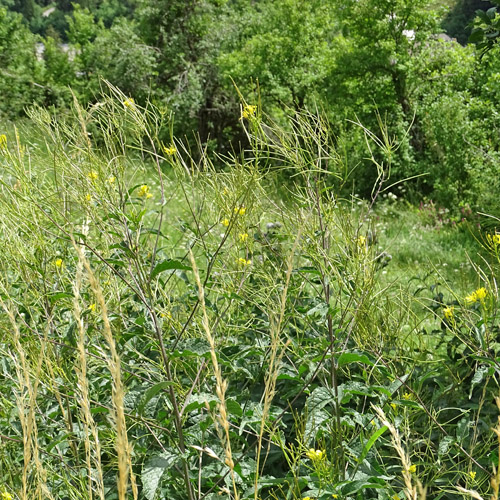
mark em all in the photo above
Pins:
pixel 250 249
pixel 348 58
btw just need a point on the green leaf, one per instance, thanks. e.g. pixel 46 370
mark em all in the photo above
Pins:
pixel 352 357
pixel 150 394
pixel 371 442
pixel 169 265
pixel 153 471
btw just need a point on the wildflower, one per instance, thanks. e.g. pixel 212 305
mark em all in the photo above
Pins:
pixel 307 498
pixel 243 237
pixel 372 422
pixel 362 241
pixel 244 262
pixel 472 474
pixel 448 312
pixel 393 406
pixel 3 142
pixel 225 222
pixel 88 198
pixel 313 454
pixel 111 179
pixel 248 111
pixel 144 192
pixel 58 263
pixel 167 315
pixel 493 239
pixel 479 294
pixel 412 469
pixel 93 175
pixel 240 210
pixel 334 495
pixel 170 151
pixel 129 103
pixel 6 496
pixel 92 307
pixel 407 396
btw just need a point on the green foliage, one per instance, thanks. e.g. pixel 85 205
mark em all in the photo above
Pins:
pixel 20 70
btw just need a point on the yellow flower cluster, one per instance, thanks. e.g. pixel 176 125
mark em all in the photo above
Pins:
pixel 493 239
pixel 448 312
pixel 111 179
pixel 225 222
pixel 248 111
pixel 478 295
pixel 244 262
pixel 93 175
pixel 243 237
pixel 144 192
pixel 5 496
pixel 240 210
pixel 314 455
pixel 129 103
pixel 412 469
pixel 58 263
pixel 170 151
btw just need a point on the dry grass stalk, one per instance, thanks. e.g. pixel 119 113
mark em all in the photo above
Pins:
pixel 221 385
pixel 89 426
pixel 410 488
pixel 123 448
pixel 274 361
pixel 26 404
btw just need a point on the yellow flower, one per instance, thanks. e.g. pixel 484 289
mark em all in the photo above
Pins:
pixel 412 469
pixel 167 315
pixel 472 474
pixel 313 454
pixel 243 237
pixel 479 294
pixel 58 263
pixel 248 111
pixel 240 210
pixel 393 406
pixel 362 241
pixel 129 103
pixel 111 179
pixel 448 312
pixel 306 498
pixel 244 262
pixel 92 307
pixel 88 198
pixel 225 222
pixel 3 142
pixel 6 496
pixel 93 176
pixel 493 239
pixel 170 151
pixel 395 497
pixel 407 396
pixel 334 495
pixel 144 192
